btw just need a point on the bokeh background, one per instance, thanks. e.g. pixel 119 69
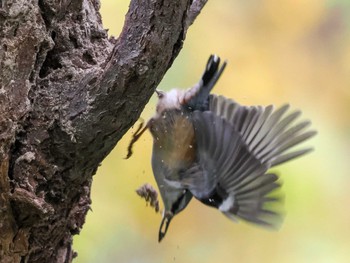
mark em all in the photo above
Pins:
pixel 295 51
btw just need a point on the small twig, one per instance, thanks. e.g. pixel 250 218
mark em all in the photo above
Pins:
pixel 150 194
pixel 135 137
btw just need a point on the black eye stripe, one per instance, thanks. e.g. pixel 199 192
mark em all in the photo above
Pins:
pixel 176 205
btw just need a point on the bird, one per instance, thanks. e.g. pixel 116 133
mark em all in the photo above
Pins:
pixel 220 152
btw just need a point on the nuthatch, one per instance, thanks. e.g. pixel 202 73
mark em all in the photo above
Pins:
pixel 212 148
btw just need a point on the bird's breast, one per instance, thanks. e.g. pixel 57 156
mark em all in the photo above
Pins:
pixel 173 140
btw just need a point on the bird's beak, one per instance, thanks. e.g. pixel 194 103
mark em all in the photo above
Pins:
pixel 164 225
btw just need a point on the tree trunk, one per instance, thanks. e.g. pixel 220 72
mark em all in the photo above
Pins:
pixel 67 95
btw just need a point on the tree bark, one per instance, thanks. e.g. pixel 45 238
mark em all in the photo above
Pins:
pixel 68 94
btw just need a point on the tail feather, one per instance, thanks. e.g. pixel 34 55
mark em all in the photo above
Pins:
pixel 197 97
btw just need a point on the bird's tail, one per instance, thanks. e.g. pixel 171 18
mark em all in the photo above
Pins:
pixel 196 98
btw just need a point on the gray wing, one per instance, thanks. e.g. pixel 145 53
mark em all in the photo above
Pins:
pixel 268 133
pixel 227 175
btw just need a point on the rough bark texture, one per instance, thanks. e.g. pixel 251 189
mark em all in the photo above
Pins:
pixel 67 95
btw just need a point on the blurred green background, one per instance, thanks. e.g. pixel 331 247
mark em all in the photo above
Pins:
pixel 295 51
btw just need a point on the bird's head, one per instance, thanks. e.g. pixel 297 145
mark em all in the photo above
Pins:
pixel 175 200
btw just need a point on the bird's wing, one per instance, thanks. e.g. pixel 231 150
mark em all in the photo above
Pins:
pixel 227 175
pixel 197 97
pixel 268 133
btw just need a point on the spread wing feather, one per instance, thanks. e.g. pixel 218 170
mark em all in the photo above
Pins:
pixel 268 135
pixel 229 170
